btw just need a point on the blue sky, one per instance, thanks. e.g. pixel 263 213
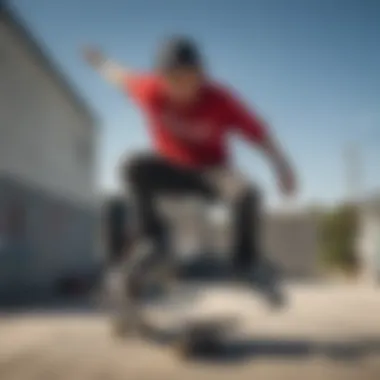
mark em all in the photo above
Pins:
pixel 310 67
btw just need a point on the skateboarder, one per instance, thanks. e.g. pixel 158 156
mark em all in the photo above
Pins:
pixel 190 116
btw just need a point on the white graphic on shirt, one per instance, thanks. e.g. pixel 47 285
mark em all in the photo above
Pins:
pixel 196 131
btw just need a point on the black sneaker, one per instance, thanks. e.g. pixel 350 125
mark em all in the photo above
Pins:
pixel 149 274
pixel 266 280
pixel 122 303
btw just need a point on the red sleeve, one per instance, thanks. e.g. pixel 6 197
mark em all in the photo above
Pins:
pixel 140 87
pixel 244 121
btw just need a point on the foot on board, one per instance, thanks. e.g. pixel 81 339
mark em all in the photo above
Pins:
pixel 265 279
pixel 205 337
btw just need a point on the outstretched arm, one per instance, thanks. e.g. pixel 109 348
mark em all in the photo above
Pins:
pixel 256 131
pixel 110 70
pixel 281 163
pixel 139 86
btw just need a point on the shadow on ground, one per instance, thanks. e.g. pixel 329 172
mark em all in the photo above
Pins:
pixel 266 348
pixel 251 348
pixel 192 280
pixel 231 350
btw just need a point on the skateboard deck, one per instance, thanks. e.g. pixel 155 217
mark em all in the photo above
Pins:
pixel 194 337
pixel 202 336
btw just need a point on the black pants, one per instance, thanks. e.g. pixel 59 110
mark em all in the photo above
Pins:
pixel 149 176
pixel 115 221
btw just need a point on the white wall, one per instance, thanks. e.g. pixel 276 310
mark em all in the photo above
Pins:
pixel 44 139
pixel 369 243
pixel 289 240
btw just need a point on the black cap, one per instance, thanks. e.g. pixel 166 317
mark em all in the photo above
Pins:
pixel 178 52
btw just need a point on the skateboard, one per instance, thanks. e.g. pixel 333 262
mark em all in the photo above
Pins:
pixel 195 337
pixel 199 337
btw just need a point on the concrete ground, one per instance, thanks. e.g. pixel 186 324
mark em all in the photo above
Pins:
pixel 326 332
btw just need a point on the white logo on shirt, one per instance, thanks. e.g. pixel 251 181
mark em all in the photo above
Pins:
pixel 190 130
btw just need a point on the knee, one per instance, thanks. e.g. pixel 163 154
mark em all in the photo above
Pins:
pixel 134 169
pixel 241 190
pixel 253 192
pixel 249 206
pixel 251 196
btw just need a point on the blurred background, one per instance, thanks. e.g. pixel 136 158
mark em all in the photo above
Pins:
pixel 310 68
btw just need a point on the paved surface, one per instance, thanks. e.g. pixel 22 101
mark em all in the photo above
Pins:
pixel 325 333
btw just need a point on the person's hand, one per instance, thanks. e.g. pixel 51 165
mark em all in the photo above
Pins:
pixel 286 179
pixel 94 57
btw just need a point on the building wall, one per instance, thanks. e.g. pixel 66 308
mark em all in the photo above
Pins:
pixel 43 138
pixel 369 241
pixel 51 239
pixel 289 241
pixel 47 170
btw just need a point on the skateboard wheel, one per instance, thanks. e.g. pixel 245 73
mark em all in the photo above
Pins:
pixel 198 343
pixel 119 329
